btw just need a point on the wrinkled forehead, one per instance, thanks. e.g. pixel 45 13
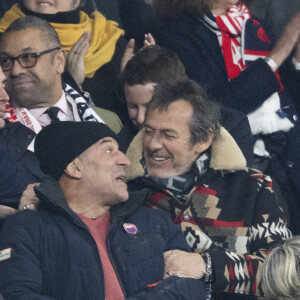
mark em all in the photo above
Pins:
pixel 174 117
pixel 95 148
pixel 108 140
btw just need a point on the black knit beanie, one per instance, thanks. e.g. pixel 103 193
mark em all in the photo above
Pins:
pixel 60 143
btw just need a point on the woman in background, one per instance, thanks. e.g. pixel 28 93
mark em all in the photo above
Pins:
pixel 281 271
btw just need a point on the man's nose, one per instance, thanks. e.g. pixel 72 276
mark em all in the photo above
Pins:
pixel 141 116
pixel 123 160
pixel 155 141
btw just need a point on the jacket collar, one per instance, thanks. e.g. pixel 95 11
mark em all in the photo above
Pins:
pixel 51 195
pixel 225 155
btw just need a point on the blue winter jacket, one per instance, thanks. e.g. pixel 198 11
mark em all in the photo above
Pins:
pixel 53 255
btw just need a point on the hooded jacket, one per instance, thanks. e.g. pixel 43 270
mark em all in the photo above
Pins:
pixel 50 254
pixel 232 213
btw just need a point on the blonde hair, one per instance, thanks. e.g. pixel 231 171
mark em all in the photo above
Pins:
pixel 281 271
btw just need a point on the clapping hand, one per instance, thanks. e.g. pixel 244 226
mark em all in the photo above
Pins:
pixel 75 58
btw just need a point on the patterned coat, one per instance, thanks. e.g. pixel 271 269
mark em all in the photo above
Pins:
pixel 232 213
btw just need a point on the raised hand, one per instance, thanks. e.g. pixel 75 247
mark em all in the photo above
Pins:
pixel 128 54
pixel 129 51
pixel 75 58
pixel 149 40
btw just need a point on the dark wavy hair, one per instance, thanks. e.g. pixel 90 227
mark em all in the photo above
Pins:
pixel 206 113
pixel 152 65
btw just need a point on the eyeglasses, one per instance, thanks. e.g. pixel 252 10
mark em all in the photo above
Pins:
pixel 26 60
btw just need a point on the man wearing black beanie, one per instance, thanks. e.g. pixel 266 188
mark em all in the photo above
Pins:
pixel 88 240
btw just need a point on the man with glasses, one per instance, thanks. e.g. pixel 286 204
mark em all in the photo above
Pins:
pixel 33 62
pixel 27 60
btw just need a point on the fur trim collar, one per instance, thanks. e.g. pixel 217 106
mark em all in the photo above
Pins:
pixel 225 155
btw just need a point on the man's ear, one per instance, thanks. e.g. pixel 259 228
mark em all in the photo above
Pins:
pixel 60 61
pixel 74 168
pixel 202 146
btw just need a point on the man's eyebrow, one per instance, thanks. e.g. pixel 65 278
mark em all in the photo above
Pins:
pixel 23 50
pixel 169 131
pixel 166 130
pixel 28 49
pixel 104 140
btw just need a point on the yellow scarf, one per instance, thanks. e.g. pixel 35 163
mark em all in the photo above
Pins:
pixel 104 36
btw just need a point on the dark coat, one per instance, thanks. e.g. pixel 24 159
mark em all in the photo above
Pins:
pixel 19 166
pixel 54 256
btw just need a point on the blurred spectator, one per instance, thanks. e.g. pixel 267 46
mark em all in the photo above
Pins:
pixel 281 271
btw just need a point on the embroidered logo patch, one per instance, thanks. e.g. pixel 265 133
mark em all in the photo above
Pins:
pixel 5 254
pixel 130 228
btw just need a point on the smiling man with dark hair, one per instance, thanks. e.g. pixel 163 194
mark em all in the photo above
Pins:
pixel 198 175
